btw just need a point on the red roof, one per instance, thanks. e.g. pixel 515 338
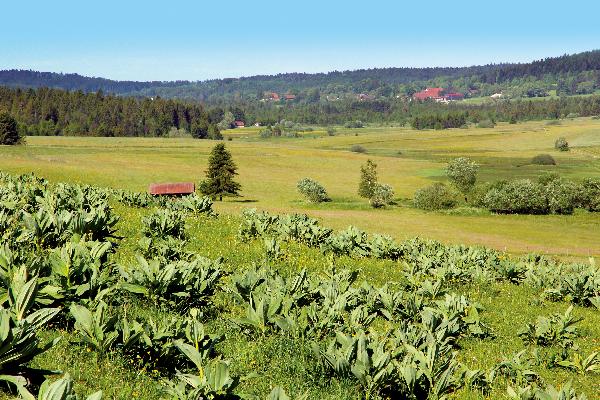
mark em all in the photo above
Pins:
pixel 429 93
pixel 239 123
pixel 172 188
pixel 289 96
pixel 453 96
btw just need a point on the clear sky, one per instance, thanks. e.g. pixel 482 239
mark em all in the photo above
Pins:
pixel 197 40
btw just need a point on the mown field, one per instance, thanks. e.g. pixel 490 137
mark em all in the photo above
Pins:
pixel 511 291
pixel 407 160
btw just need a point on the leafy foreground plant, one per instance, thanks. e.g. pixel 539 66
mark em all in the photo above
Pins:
pixel 211 381
pixel 61 389
pixel 19 342
pixel 556 330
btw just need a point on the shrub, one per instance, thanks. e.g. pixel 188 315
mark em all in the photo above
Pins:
pixel 331 131
pixel 543 159
pixel 266 133
pixel 588 195
pixel 357 148
pixel 517 197
pixel 312 190
pixel 554 122
pixel 462 172
pixel 572 115
pixel 560 196
pixel 487 123
pixel 434 197
pixel 368 180
pixel 382 196
pixel 561 144
pixel 549 195
pixel 354 124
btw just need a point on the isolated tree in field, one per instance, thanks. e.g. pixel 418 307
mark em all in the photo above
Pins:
pixel 219 175
pixel 462 172
pixel 9 131
pixel 368 180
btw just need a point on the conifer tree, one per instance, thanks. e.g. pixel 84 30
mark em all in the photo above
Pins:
pixel 368 180
pixel 9 132
pixel 219 175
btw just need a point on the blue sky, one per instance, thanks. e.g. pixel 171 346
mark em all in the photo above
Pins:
pixel 197 40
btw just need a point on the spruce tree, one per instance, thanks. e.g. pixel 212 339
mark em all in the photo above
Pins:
pixel 9 132
pixel 219 175
pixel 368 180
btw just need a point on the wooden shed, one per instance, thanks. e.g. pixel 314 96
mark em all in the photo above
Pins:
pixel 172 189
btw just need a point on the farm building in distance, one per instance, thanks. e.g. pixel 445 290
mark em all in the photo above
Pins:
pixel 239 124
pixel 438 94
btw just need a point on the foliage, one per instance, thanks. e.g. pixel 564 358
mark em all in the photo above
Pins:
pixel 61 389
pixel 312 190
pixel 19 328
pixel 9 132
pixel 179 284
pixel 368 179
pixel 434 197
pixel 357 148
pixel 561 144
pixel 219 175
pixel 383 195
pixel 543 159
pixel 462 172
pixel 556 330
pixel 354 124
pixel 486 123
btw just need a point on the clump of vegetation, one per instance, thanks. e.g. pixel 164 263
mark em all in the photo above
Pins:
pixel 331 131
pixel 550 195
pixel 434 197
pixel 9 130
pixel 543 159
pixel 368 180
pixel 312 190
pixel 383 195
pixel 440 121
pixel 558 329
pixel 486 123
pixel 354 124
pixel 561 144
pixel 588 195
pixel 178 133
pixel 462 172
pixel 572 115
pixel 553 122
pixel 219 175
pixel 357 148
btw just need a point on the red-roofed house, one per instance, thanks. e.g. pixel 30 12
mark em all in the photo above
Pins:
pixel 239 124
pixel 429 93
pixel 438 94
pixel 271 96
pixel 289 96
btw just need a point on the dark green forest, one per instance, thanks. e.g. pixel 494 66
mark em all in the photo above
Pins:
pixel 52 112
pixel 57 112
pixel 564 75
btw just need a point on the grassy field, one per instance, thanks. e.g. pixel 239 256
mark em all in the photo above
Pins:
pixel 407 160
pixel 269 170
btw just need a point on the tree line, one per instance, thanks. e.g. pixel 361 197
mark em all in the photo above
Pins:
pixel 51 112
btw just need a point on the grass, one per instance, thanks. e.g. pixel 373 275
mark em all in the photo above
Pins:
pixel 277 360
pixel 270 168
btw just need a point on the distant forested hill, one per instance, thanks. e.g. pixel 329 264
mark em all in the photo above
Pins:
pixel 565 75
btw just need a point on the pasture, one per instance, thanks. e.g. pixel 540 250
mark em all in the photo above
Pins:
pixel 407 160
pixel 503 292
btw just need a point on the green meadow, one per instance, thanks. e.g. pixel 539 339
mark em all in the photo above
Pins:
pixel 268 172
pixel 406 159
